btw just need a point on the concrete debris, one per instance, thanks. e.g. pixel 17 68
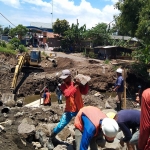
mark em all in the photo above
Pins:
pixel 107 106
pixel 19 103
pixel 97 94
pixel 83 79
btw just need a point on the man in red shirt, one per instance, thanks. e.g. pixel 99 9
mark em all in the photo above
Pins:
pixel 144 138
pixel 73 94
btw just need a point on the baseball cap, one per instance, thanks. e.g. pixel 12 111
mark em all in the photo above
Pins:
pixel 65 74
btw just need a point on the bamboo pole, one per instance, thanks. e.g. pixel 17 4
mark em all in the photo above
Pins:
pixel 124 100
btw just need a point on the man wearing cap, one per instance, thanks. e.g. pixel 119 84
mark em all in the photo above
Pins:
pixel 72 92
pixel 91 123
pixel 119 88
pixel 129 119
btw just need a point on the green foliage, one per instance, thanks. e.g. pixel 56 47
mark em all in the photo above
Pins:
pixel 142 55
pixel 143 30
pixel 44 54
pixel 3 43
pixel 74 36
pixel 92 55
pixel 4 47
pixel 15 42
pixel 140 70
pixel 20 30
pixel 134 19
pixel 22 48
pixel 106 61
pixel 99 34
pixel 60 26
pixel 7 50
pixel 127 21
pixel 1 29
pixel 6 31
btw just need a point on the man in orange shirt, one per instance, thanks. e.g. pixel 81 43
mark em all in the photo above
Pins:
pixel 47 97
pixel 144 138
pixel 91 122
pixel 73 94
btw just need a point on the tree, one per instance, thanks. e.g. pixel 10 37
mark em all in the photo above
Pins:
pixel 60 26
pixel 143 30
pixel 1 29
pixel 6 31
pixel 99 34
pixel 20 30
pixel 74 36
pixel 127 21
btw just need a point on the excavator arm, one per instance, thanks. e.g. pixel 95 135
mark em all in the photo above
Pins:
pixel 21 61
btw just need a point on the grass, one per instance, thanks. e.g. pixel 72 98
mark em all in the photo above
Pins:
pixel 7 50
pixel 106 61
pixel 44 54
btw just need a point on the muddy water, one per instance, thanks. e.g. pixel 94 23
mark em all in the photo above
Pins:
pixel 32 98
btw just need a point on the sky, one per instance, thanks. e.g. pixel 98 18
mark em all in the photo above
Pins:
pixel 89 12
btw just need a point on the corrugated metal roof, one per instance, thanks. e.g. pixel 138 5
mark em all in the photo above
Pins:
pixel 41 25
pixel 119 37
pixel 109 46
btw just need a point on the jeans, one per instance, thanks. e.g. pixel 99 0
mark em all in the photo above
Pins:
pixel 134 139
pixel 93 143
pixel 65 119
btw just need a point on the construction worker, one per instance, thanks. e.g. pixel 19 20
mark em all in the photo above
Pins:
pixel 72 92
pixel 144 138
pixel 59 94
pixel 129 119
pixel 119 88
pixel 90 123
pixel 139 95
pixel 47 97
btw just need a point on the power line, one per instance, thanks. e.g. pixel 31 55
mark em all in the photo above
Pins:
pixel 7 20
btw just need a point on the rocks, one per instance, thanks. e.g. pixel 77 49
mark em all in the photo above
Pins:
pixel 19 102
pixel 26 129
pixel 8 122
pixel 64 134
pixel 107 106
pixel 1 128
pixel 36 145
pixel 5 110
pixel 19 114
pixel 8 99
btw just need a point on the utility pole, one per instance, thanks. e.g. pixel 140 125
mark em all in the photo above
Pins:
pixel 52 13
pixel 124 100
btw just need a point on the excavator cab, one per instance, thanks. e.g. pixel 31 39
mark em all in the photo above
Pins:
pixel 35 57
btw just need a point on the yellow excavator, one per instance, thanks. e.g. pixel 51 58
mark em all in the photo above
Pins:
pixel 27 63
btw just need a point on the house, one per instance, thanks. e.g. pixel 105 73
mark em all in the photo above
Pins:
pixel 132 42
pixel 112 52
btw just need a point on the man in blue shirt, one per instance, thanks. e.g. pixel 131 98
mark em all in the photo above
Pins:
pixel 129 119
pixel 119 87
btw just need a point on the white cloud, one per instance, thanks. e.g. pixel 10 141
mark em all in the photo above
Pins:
pixel 13 3
pixel 114 1
pixel 85 13
pixel 40 11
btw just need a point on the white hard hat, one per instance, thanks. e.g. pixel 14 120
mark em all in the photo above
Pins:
pixel 110 127
pixel 119 70
pixel 59 84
